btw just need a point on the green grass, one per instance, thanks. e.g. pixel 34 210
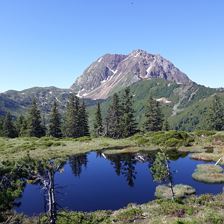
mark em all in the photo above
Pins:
pixel 205 209
pixel 49 148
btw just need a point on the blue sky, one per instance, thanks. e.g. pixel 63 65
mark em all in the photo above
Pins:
pixel 51 42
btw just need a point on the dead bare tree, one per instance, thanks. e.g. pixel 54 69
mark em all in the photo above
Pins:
pixel 45 176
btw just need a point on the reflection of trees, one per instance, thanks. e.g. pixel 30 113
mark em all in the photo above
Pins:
pixel 77 162
pixel 128 170
pixel 175 155
pixel 125 165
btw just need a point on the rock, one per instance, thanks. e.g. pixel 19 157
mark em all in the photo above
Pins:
pixel 114 72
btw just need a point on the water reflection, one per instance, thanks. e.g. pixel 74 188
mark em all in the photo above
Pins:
pixel 77 163
pixel 97 181
pixel 124 164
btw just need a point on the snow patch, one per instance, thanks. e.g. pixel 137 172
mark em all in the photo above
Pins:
pixel 79 94
pixel 100 59
pixel 136 55
pixel 149 69
pixel 163 100
pixel 113 71
pixel 57 99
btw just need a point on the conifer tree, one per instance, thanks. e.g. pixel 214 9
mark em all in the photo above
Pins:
pixel 98 125
pixel 216 115
pixel 83 121
pixel 128 123
pixel 34 125
pixel 71 127
pixel 24 129
pixel 154 117
pixel 114 116
pixel 1 126
pixel 9 129
pixel 55 122
pixel 161 170
pixel 19 124
pixel 166 126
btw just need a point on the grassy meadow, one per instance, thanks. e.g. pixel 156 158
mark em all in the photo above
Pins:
pixel 202 145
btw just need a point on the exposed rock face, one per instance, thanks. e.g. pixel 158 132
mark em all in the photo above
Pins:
pixel 111 73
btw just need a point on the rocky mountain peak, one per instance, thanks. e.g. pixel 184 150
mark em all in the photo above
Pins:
pixel 113 72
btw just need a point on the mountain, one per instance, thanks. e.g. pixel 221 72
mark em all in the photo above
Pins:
pixel 18 102
pixel 113 72
pixel 183 102
pixel 183 105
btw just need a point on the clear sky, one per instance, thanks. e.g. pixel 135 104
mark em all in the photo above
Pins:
pixel 51 42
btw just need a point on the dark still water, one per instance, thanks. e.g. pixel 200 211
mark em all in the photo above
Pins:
pixel 94 181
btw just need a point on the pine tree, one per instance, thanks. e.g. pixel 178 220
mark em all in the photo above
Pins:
pixel 19 124
pixel 98 125
pixel 114 116
pixel 166 126
pixel 71 128
pixel 34 125
pixel 9 129
pixel 24 129
pixel 128 123
pixel 161 170
pixel 215 115
pixel 1 126
pixel 83 121
pixel 55 122
pixel 154 117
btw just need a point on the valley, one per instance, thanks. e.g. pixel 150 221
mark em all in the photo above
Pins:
pixel 114 147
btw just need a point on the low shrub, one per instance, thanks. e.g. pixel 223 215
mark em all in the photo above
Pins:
pixel 127 216
pixel 201 133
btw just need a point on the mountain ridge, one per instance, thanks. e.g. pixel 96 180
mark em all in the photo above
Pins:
pixel 179 100
pixel 112 72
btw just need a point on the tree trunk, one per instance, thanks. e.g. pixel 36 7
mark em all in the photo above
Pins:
pixel 170 179
pixel 51 198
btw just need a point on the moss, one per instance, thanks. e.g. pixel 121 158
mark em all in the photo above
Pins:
pixel 209 173
pixel 180 191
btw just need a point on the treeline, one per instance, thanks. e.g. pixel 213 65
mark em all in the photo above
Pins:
pixel 119 122
pixel 74 123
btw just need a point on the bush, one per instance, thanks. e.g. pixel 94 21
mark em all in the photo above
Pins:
pixel 172 138
pixel 173 208
pixel 214 218
pixel 129 215
pixel 201 133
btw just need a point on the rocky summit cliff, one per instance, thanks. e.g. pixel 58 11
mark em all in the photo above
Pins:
pixel 113 72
